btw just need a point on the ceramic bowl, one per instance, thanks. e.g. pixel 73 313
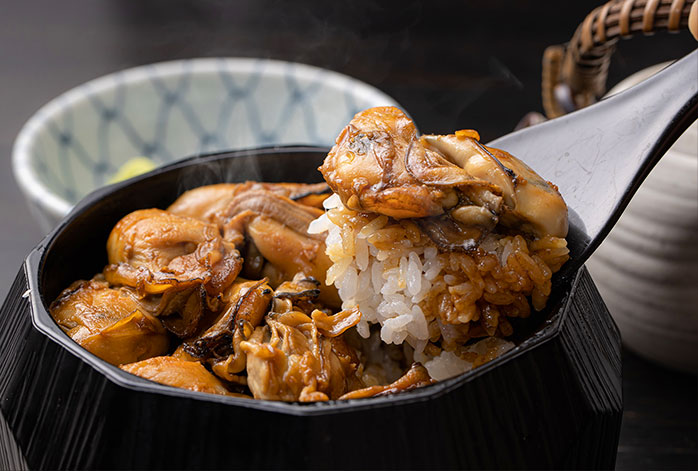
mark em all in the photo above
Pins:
pixel 647 268
pixel 171 110
pixel 554 401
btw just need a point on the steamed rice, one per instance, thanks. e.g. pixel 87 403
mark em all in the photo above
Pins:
pixel 435 301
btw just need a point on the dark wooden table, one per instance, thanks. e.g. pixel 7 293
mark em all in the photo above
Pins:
pixel 451 65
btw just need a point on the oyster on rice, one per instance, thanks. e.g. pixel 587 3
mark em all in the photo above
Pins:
pixel 380 165
pixel 530 203
pixel 438 239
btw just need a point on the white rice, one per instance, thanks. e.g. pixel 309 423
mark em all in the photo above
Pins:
pixel 388 286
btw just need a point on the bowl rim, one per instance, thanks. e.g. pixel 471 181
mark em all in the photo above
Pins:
pixel 42 320
pixel 35 189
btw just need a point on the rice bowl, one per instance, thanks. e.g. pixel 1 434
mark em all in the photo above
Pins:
pixel 269 290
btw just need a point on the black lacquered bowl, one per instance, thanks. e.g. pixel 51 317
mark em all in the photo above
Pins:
pixel 554 401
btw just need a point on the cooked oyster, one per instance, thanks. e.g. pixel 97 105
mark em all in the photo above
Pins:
pixel 297 357
pixel 180 374
pixel 278 227
pixel 181 264
pixel 530 203
pixel 155 251
pixel 110 323
pixel 378 165
pixel 247 304
pixel 460 189
pixel 206 203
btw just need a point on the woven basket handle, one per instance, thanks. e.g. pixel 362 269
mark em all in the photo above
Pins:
pixel 574 75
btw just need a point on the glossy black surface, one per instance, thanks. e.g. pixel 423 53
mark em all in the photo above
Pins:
pixel 553 401
pixel 598 156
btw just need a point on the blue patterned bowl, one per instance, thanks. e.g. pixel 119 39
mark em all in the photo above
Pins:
pixel 167 111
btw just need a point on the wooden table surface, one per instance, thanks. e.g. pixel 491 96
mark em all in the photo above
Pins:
pixel 451 65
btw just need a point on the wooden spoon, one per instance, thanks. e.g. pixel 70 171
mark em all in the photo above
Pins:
pixel 598 156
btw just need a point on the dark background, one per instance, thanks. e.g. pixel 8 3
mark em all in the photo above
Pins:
pixel 450 64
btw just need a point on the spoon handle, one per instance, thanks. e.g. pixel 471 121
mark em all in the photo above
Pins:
pixel 598 156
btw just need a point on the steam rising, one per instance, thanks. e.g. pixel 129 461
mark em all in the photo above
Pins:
pixel 208 171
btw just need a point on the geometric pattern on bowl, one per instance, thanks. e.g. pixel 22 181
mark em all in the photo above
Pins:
pixel 177 109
